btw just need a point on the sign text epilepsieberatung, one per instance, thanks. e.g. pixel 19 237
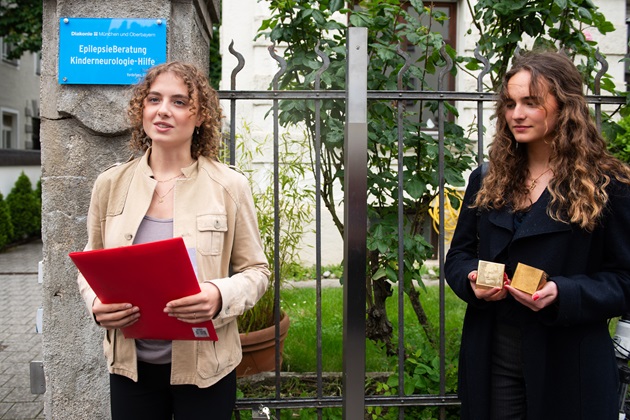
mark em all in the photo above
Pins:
pixel 104 51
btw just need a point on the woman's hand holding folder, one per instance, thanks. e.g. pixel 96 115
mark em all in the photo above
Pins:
pixel 114 315
pixel 200 307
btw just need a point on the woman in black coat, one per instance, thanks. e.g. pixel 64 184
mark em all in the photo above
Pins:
pixel 555 199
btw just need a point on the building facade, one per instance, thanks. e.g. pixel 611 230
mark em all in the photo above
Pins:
pixel 19 109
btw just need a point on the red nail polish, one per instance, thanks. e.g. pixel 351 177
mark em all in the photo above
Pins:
pixel 535 297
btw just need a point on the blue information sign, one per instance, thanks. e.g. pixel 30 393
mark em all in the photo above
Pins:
pixel 103 51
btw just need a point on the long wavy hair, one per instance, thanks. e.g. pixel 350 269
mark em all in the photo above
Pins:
pixel 581 163
pixel 205 102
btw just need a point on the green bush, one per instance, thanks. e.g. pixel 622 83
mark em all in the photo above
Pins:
pixel 6 226
pixel 618 137
pixel 24 209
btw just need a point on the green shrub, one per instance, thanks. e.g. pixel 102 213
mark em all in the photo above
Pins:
pixel 6 226
pixel 618 137
pixel 24 209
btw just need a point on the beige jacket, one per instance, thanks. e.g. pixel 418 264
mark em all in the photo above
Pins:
pixel 214 213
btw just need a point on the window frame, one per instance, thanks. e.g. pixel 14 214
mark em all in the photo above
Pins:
pixel 6 49
pixel 15 140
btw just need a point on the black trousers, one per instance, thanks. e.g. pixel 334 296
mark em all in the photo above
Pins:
pixel 507 390
pixel 154 398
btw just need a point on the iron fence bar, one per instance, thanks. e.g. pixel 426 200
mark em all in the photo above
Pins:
pixel 597 87
pixel 318 224
pixel 449 400
pixel 276 222
pixel 400 106
pixel 355 226
pixel 486 70
pixel 235 71
pixel 389 95
pixel 441 236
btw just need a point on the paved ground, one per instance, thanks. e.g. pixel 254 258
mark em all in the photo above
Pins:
pixel 20 296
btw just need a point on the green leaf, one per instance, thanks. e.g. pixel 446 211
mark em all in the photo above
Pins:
pixel 380 273
pixel 584 13
pixel 418 5
pixel 415 188
pixel 335 5
pixel 409 388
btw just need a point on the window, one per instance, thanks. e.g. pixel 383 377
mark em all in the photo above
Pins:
pixel 35 135
pixel 38 63
pixel 6 50
pixel 9 130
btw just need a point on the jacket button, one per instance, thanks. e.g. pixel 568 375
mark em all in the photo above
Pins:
pixel 128 236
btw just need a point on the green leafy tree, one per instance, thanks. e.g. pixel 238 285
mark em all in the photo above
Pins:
pixel 301 26
pixel 555 24
pixel 618 136
pixel 6 227
pixel 24 209
pixel 21 26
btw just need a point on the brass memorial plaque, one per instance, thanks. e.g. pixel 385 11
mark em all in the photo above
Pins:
pixel 528 279
pixel 490 274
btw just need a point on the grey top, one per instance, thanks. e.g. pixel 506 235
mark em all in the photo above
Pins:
pixel 151 230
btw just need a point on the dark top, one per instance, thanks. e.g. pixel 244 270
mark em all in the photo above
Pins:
pixel 569 367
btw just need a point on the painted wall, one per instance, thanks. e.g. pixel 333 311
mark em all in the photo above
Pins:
pixel 19 93
pixel 10 174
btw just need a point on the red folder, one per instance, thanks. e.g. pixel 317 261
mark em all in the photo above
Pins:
pixel 148 276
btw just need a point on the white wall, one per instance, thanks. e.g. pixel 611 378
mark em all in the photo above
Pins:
pixel 10 174
pixel 19 94
pixel 240 22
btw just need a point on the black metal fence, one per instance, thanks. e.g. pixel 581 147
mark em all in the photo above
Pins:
pixel 353 399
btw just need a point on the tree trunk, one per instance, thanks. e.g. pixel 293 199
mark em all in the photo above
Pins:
pixel 414 298
pixel 378 326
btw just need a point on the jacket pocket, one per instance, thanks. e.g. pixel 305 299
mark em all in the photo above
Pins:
pixel 109 345
pixel 207 360
pixel 211 233
pixel 215 356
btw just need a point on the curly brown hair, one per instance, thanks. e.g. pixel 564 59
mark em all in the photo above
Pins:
pixel 205 102
pixel 581 163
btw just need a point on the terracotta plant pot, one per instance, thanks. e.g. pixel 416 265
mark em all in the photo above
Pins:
pixel 259 349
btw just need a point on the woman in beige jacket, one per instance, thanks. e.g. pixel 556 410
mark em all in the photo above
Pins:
pixel 178 189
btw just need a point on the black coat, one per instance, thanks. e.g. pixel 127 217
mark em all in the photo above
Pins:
pixel 569 362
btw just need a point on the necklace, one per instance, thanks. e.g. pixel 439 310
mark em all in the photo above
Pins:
pixel 533 184
pixel 162 197
pixel 167 180
pixel 175 177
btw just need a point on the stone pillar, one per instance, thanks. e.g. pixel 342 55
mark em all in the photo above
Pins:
pixel 84 131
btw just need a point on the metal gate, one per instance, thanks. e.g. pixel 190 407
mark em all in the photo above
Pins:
pixel 353 400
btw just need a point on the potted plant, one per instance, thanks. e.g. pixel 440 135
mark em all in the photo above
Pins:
pixel 294 213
